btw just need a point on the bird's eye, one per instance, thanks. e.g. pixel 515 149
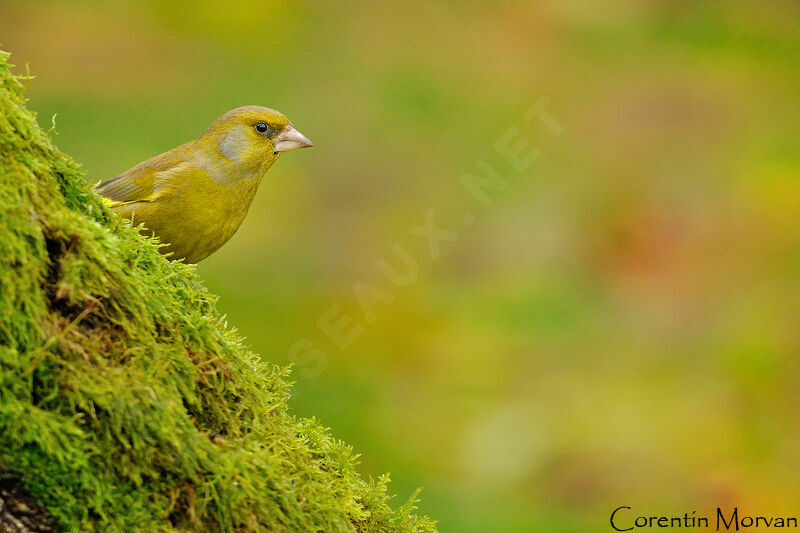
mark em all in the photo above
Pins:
pixel 262 127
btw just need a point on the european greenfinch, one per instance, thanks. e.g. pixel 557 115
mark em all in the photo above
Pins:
pixel 194 197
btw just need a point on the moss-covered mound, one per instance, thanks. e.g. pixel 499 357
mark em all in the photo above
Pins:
pixel 126 402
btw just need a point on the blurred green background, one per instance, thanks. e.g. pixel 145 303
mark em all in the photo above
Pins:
pixel 618 327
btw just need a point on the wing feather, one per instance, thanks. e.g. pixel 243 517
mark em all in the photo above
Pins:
pixel 143 182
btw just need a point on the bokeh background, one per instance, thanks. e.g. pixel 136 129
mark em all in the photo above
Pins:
pixel 618 327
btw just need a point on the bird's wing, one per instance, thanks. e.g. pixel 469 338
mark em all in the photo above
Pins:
pixel 143 182
pixel 129 188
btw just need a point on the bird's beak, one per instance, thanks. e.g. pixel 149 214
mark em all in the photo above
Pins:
pixel 290 139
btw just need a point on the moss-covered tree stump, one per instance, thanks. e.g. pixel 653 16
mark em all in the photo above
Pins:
pixel 126 402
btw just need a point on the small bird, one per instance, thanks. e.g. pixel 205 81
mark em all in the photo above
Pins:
pixel 194 197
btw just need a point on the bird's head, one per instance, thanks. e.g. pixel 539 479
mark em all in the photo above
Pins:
pixel 253 137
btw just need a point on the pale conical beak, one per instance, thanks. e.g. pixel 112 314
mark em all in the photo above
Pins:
pixel 290 139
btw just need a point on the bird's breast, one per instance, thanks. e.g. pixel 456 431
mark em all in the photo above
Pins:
pixel 196 215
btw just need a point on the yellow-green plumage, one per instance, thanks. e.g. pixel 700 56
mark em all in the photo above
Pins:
pixel 195 196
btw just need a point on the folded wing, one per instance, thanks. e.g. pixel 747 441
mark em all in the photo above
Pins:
pixel 143 182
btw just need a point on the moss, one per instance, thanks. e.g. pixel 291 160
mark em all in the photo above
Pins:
pixel 126 402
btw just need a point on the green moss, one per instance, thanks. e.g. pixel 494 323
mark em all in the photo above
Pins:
pixel 126 402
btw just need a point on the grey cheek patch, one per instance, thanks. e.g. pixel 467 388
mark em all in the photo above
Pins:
pixel 231 144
